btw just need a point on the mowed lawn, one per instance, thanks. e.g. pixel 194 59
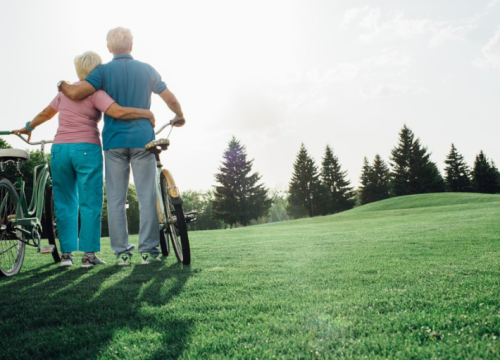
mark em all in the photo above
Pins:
pixel 414 277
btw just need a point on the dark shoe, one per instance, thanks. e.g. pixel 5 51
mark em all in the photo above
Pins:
pixel 88 262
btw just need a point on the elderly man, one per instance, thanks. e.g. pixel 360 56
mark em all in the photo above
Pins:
pixel 130 83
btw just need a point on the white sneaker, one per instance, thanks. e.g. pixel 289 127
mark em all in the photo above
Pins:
pixel 148 258
pixel 124 259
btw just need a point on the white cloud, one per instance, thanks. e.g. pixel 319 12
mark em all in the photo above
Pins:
pixel 312 91
pixel 371 20
pixel 451 33
pixel 350 15
pixel 491 54
pixel 389 62
pixel 375 26
pixel 392 57
pixel 389 90
pixel 492 3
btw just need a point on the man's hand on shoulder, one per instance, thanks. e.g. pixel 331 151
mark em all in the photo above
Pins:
pixel 59 84
pixel 75 92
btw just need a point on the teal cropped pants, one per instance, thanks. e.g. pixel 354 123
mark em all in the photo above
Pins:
pixel 78 188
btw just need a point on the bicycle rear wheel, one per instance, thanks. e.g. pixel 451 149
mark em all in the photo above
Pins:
pixel 176 222
pixel 49 223
pixel 12 249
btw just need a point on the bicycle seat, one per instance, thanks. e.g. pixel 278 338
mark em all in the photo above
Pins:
pixel 156 146
pixel 14 154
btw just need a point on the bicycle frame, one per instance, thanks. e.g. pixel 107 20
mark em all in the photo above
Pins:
pixel 174 191
pixel 28 219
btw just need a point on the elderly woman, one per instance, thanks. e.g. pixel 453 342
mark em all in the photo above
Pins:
pixel 76 163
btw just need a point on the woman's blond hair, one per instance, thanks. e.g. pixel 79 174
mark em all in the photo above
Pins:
pixel 86 63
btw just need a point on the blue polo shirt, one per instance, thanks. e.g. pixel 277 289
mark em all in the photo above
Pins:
pixel 130 83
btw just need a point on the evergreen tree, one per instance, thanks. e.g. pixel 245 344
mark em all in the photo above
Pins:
pixel 365 190
pixel 412 170
pixel 340 194
pixel 381 179
pixel 238 199
pixel 304 186
pixel 485 175
pixel 375 181
pixel 457 172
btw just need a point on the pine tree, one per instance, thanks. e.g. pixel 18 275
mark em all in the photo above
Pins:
pixel 304 186
pixel 382 179
pixel 457 172
pixel 412 170
pixel 238 199
pixel 375 181
pixel 365 190
pixel 339 192
pixel 485 175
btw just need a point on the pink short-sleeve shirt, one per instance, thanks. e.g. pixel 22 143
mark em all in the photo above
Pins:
pixel 78 119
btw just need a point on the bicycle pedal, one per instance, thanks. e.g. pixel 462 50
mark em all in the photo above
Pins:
pixel 47 249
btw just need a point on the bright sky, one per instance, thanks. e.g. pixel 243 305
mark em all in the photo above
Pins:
pixel 276 74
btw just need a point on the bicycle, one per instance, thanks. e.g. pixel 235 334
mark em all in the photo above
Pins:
pixel 20 224
pixel 171 215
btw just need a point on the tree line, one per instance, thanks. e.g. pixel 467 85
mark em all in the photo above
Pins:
pixel 240 199
pixel 411 171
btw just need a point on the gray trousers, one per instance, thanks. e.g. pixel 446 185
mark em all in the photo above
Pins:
pixel 117 170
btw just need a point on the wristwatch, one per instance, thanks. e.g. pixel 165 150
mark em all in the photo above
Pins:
pixel 59 84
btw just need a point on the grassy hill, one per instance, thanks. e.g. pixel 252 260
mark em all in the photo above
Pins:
pixel 413 277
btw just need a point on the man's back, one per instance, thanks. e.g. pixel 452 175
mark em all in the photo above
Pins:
pixel 130 83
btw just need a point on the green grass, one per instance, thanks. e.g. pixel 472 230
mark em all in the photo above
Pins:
pixel 414 277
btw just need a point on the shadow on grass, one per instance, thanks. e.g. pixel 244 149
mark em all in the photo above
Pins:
pixel 103 313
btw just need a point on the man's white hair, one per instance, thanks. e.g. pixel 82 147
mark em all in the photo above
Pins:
pixel 119 40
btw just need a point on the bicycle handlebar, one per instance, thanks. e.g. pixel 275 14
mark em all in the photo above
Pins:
pixel 25 140
pixel 170 124
pixel 163 127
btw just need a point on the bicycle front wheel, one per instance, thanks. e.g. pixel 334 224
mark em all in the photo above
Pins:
pixel 11 247
pixel 49 223
pixel 176 222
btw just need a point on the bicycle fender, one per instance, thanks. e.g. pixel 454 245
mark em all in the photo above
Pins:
pixel 172 188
